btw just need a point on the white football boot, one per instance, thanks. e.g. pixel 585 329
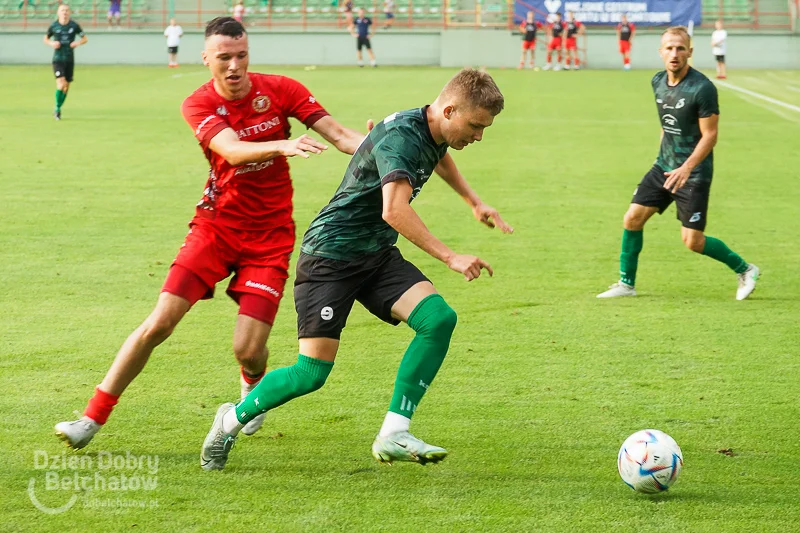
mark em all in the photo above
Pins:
pixel 218 443
pixel 78 433
pixel 256 423
pixel 547 66
pixel 747 282
pixel 557 67
pixel 404 446
pixel 618 289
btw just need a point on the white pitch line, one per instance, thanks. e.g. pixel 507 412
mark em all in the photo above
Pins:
pixel 758 95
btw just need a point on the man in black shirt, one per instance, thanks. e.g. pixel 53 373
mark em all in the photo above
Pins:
pixel 361 31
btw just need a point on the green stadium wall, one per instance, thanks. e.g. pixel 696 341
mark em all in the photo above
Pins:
pixel 446 48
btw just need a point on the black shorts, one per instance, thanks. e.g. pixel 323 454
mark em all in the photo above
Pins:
pixel 172 49
pixel 64 70
pixel 720 59
pixel 325 289
pixel 361 42
pixel 691 200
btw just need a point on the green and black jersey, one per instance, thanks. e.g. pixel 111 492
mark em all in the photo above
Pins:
pixel 65 34
pixel 680 108
pixel 400 147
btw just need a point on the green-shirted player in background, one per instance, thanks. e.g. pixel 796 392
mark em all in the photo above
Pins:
pixel 349 254
pixel 61 37
pixel 689 113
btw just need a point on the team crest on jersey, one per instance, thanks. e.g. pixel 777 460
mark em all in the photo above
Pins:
pixel 222 111
pixel 260 104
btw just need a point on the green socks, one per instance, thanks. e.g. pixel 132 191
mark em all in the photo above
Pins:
pixel 283 384
pixel 632 242
pixel 716 249
pixel 60 97
pixel 434 322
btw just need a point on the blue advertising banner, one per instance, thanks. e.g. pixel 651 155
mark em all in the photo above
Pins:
pixel 643 13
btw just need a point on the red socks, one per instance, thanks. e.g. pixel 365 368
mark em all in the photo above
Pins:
pixel 100 406
pixel 252 380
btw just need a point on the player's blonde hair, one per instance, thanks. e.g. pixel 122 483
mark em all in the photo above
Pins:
pixel 681 31
pixel 477 88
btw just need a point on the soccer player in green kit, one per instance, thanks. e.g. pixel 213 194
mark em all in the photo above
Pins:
pixel 689 113
pixel 349 254
pixel 61 37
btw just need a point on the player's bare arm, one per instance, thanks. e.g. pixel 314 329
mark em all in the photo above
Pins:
pixel 55 45
pixel 708 130
pixel 236 152
pixel 486 214
pixel 398 213
pixel 76 44
pixel 343 139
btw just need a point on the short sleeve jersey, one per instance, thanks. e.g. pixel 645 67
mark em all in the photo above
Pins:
pixel 351 226
pixel 254 195
pixel 556 29
pixel 572 28
pixel 362 26
pixel 679 110
pixel 625 31
pixel 529 30
pixel 64 34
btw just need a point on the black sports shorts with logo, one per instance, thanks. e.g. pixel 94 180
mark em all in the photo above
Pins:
pixel 691 200
pixel 361 42
pixel 64 70
pixel 325 289
pixel 172 49
pixel 721 59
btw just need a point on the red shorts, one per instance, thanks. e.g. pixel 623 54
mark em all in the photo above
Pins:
pixel 555 44
pixel 211 251
pixel 529 45
pixel 624 47
pixel 572 43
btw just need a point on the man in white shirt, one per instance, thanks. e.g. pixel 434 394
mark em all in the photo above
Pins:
pixel 718 39
pixel 173 33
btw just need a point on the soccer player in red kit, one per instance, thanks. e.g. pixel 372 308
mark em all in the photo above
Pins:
pixel 242 225
pixel 574 28
pixel 555 30
pixel 625 31
pixel 528 29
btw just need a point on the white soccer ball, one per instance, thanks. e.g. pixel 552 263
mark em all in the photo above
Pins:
pixel 649 461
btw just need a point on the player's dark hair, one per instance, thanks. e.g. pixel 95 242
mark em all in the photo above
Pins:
pixel 478 88
pixel 227 26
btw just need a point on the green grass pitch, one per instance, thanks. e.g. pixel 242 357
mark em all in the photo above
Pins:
pixel 542 383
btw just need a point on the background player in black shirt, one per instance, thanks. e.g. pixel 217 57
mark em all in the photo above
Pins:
pixel 528 29
pixel 361 31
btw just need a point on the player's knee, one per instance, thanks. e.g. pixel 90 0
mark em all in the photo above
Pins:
pixel 250 355
pixel 633 220
pixel 439 318
pixel 445 321
pixel 156 329
pixel 694 241
pixel 312 382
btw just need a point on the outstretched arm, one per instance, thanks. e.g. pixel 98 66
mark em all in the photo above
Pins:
pixel 486 214
pixel 398 213
pixel 227 144
pixel 342 138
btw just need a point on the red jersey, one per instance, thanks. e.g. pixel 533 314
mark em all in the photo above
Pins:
pixel 255 195
pixel 556 29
